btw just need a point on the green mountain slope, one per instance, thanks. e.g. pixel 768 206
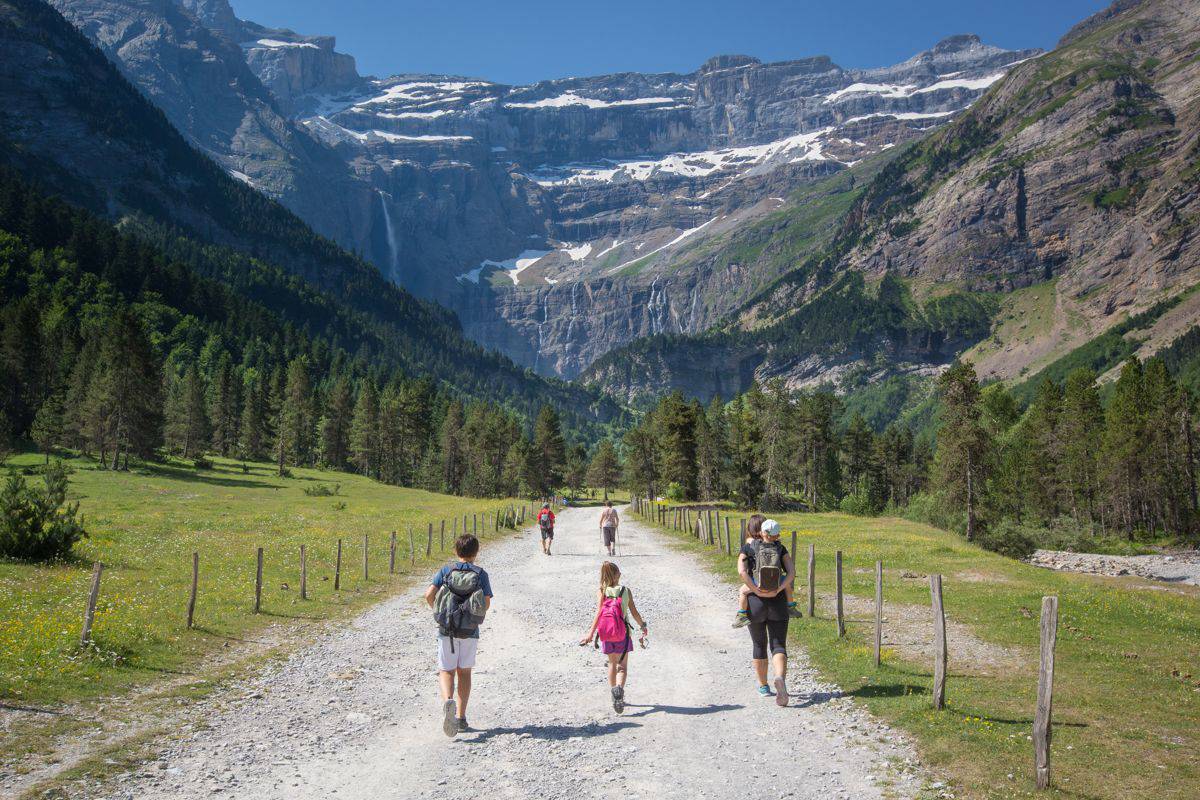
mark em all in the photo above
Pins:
pixel 1079 170
pixel 75 127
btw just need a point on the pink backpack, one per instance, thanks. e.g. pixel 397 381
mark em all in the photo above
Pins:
pixel 612 626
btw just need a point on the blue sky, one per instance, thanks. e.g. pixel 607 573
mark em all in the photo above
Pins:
pixel 521 41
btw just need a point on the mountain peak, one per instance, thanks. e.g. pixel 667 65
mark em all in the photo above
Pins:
pixel 956 43
pixel 728 62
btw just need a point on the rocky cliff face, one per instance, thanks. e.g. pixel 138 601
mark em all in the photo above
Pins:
pixel 1077 175
pixel 509 204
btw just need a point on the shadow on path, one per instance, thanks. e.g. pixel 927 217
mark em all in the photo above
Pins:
pixel 554 733
pixel 687 711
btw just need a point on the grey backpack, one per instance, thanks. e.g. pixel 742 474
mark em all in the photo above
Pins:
pixel 458 606
pixel 768 565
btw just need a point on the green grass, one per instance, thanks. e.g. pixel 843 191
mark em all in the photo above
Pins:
pixel 144 526
pixel 1127 678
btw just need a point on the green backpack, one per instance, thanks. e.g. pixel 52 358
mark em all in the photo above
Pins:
pixel 459 605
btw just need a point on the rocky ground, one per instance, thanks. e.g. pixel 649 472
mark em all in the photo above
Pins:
pixel 1182 567
pixel 356 714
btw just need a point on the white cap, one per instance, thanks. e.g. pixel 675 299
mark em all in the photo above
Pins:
pixel 770 528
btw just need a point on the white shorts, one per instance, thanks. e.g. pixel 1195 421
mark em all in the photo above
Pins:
pixel 463 656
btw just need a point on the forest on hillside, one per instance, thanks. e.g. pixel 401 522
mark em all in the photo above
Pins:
pixel 1070 470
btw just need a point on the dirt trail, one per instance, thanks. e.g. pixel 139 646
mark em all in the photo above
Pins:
pixel 356 714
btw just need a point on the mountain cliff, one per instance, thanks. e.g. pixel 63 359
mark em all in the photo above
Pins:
pixel 1065 200
pixel 559 219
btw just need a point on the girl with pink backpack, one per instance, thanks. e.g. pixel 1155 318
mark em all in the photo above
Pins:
pixel 611 627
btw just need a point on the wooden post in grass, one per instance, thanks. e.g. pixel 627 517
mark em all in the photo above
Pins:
pixel 392 555
pixel 812 579
pixel 793 552
pixel 728 540
pixel 475 524
pixel 939 643
pixel 303 573
pixel 837 568
pixel 258 581
pixel 195 584
pixel 878 610
pixel 366 551
pixel 443 536
pixel 90 613
pixel 1045 692
pixel 412 548
pixel 429 541
pixel 337 568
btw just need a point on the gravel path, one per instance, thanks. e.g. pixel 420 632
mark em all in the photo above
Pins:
pixel 355 715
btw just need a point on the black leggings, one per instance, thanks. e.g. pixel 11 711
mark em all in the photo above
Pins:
pixel 773 632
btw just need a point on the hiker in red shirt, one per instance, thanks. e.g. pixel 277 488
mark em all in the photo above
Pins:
pixel 545 520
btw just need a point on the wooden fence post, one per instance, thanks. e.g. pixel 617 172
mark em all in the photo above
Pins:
pixel 878 610
pixel 392 555
pixel 429 542
pixel 443 536
pixel 303 573
pixel 841 618
pixel 195 586
pixel 1045 692
pixel 89 613
pixel 728 539
pixel 412 548
pixel 366 551
pixel 812 578
pixel 258 581
pixel 337 568
pixel 939 643
pixel 475 524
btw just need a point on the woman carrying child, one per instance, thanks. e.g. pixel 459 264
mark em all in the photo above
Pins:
pixel 614 606
pixel 754 534
pixel 768 612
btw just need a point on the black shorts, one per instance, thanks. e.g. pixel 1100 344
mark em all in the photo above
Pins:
pixel 547 533
pixel 610 536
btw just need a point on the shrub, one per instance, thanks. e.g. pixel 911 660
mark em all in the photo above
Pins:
pixel 38 524
pixel 932 509
pixel 675 491
pixel 323 490
pixel 340 505
pixel 1009 538
pixel 858 504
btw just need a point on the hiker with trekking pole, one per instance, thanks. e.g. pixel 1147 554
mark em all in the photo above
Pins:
pixel 612 630
pixel 609 522
pixel 545 520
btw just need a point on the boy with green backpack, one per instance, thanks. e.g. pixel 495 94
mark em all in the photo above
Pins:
pixel 460 595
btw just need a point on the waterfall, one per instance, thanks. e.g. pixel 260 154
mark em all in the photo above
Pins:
pixel 393 255
pixel 571 322
pixel 537 359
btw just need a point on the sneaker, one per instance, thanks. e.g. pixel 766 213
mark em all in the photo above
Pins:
pixel 794 611
pixel 764 691
pixel 618 695
pixel 449 720
pixel 742 620
pixel 781 695
pixel 463 727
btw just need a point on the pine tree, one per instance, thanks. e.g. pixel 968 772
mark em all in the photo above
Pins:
pixel 550 451
pixel 963 447
pixel 47 429
pixel 451 450
pixel 675 432
pixel 712 438
pixel 187 422
pixel 295 427
pixel 336 425
pixel 1122 447
pixel 222 406
pixel 127 391
pixel 605 470
pixel 364 430
pixel 1080 429
pixel 641 462
pixel 857 444
pixel 253 432
pixel 575 473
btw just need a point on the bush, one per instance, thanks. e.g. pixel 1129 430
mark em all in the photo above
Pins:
pixel 675 491
pixel 323 490
pixel 858 504
pixel 933 510
pixel 1009 538
pixel 36 524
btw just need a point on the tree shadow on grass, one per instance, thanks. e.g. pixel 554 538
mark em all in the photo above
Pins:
pixel 211 477
pixel 30 709
pixel 214 634
pixel 556 733
pixel 282 615
pixel 687 711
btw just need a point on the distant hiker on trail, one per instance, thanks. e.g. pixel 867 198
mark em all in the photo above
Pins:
pixel 766 569
pixel 460 595
pixel 753 535
pixel 609 522
pixel 545 521
pixel 611 627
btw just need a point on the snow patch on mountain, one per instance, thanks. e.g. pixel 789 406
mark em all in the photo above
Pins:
pixel 572 99
pixel 513 266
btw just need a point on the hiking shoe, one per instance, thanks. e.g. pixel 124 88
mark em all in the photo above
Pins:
pixel 449 720
pixel 764 691
pixel 781 695
pixel 618 695
pixel 742 620
pixel 794 611
pixel 463 727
